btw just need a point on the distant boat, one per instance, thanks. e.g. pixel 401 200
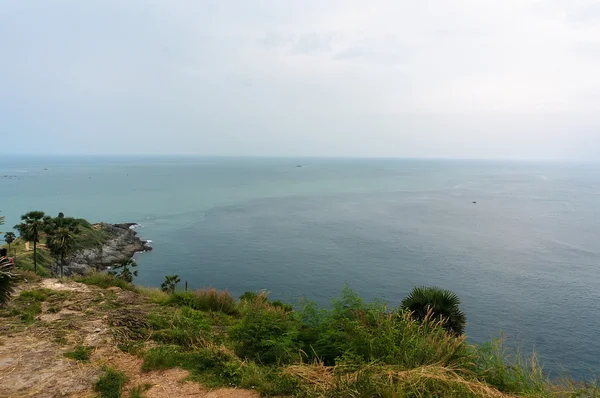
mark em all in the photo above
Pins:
pixel 474 202
pixel 299 165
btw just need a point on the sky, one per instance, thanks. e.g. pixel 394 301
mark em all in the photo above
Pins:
pixel 378 78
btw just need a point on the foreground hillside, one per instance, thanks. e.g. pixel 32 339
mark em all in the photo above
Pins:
pixel 99 336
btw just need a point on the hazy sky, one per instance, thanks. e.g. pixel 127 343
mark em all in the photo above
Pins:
pixel 446 78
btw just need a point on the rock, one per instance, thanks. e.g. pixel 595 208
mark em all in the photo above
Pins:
pixel 122 245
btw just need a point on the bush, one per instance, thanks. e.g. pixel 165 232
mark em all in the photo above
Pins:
pixel 110 384
pixel 104 280
pixel 185 327
pixel 433 302
pixel 355 333
pixel 209 299
pixel 511 376
pixel 266 336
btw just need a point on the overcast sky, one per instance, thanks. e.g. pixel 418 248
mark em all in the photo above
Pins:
pixel 447 78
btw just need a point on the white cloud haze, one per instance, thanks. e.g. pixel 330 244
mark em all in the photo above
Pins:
pixel 459 78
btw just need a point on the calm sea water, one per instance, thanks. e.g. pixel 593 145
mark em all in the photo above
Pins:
pixel 524 259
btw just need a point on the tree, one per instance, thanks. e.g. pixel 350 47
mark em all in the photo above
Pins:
pixel 62 239
pixel 9 238
pixel 33 223
pixel 441 304
pixel 123 270
pixel 170 283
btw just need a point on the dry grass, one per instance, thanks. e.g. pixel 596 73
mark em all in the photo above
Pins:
pixel 324 379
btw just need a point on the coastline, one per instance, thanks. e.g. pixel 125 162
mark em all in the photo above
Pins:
pixel 122 244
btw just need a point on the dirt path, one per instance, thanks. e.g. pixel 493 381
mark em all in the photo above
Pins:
pixel 32 361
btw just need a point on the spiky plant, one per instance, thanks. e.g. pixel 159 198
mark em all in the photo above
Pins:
pixel 441 304
pixel 8 281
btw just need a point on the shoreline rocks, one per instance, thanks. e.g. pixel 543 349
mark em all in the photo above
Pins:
pixel 122 244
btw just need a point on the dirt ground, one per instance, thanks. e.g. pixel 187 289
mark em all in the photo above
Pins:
pixel 32 363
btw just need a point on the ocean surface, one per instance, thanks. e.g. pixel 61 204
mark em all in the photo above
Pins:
pixel 524 258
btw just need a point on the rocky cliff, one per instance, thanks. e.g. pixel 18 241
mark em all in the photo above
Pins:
pixel 121 244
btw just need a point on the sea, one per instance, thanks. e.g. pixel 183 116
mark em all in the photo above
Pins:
pixel 519 242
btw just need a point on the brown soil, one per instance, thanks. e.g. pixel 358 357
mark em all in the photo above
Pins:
pixel 32 361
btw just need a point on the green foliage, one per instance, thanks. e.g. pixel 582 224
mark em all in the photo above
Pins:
pixel 61 238
pixel 209 299
pixel 9 238
pixel 509 373
pixel 79 353
pixel 185 327
pixel 28 304
pixel 123 270
pixel 170 283
pixel 104 280
pixel 39 295
pixel 8 282
pixel 32 225
pixel 138 391
pixel 442 304
pixel 155 295
pixel 248 296
pixel 29 311
pixel 352 333
pixel 266 336
pixel 110 383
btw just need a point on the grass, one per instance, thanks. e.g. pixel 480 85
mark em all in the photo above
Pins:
pixel 79 353
pixel 104 280
pixel 138 391
pixel 155 295
pixel 208 299
pixel 349 349
pixel 110 383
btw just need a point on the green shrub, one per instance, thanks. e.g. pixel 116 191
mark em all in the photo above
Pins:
pixel 155 295
pixel 110 383
pixel 104 280
pixel 266 336
pixel 199 361
pixel 79 353
pixel 209 299
pixel 183 326
pixel 432 302
pixel 352 333
pixel 509 373
pixel 248 296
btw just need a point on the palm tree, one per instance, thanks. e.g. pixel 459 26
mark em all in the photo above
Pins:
pixel 170 283
pixel 441 304
pixel 9 238
pixel 32 225
pixel 125 271
pixel 62 239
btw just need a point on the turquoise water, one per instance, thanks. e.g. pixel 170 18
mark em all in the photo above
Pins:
pixel 524 259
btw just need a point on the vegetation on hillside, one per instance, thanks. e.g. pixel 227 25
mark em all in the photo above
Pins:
pixel 350 348
pixel 54 240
